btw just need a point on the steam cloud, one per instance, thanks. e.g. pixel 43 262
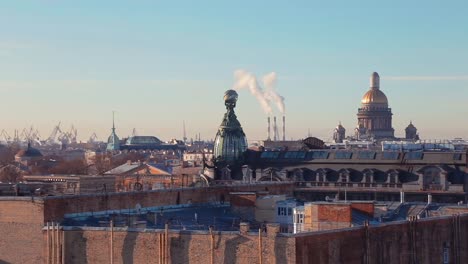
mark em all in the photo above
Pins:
pixel 247 80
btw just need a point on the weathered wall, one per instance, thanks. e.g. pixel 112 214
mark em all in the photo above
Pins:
pixel 93 246
pixel 56 207
pixel 403 242
pixel 21 221
pixel 22 218
pixel 422 241
pixel 363 207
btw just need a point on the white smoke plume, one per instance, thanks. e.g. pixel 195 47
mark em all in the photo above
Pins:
pixel 245 79
pixel 269 81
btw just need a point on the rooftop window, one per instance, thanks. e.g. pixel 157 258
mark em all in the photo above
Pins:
pixel 318 155
pixel 294 155
pixel 370 155
pixel 343 155
pixel 417 155
pixel 390 155
pixel 269 155
pixel 457 156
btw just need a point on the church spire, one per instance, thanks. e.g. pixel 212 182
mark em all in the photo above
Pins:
pixel 113 142
pixel 113 121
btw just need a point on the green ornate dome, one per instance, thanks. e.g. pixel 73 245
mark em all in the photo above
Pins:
pixel 230 143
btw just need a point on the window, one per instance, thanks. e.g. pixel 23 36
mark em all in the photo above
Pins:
pixel 343 155
pixel 318 155
pixel 290 155
pixel 457 156
pixel 390 155
pixel 299 218
pixel 414 155
pixel 270 155
pixel 281 211
pixel 370 155
pixel 289 211
pixel 294 155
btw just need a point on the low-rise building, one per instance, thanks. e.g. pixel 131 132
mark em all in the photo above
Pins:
pixel 71 184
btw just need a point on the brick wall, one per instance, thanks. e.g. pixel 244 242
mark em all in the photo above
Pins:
pixel 403 242
pixel 88 246
pixel 21 221
pixel 22 218
pixel 243 199
pixel 364 207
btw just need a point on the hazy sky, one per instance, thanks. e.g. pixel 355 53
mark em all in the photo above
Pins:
pixel 157 63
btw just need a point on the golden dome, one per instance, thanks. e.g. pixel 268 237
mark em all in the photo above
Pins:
pixel 374 96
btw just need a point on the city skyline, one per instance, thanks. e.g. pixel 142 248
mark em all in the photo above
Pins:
pixel 158 65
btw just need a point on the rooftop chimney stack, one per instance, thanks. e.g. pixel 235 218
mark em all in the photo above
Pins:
pixel 268 135
pixel 284 128
pixel 275 129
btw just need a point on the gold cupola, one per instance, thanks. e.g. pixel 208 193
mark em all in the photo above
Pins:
pixel 375 96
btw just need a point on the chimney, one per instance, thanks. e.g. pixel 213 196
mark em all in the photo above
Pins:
pixel 268 135
pixel 244 227
pixel 284 128
pixel 275 129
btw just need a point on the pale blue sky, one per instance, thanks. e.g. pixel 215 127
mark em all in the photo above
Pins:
pixel 158 63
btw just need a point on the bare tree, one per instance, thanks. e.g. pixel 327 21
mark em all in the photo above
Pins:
pixel 77 166
pixel 7 154
pixel 102 163
pixel 10 173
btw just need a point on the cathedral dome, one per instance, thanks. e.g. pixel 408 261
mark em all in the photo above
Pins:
pixel 374 96
pixel 30 152
pixel 411 127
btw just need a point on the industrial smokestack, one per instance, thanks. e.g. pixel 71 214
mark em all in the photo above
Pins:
pixel 284 128
pixel 268 135
pixel 275 129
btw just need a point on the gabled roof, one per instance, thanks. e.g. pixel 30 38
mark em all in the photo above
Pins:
pixel 140 168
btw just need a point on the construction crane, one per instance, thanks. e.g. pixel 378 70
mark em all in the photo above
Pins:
pixel 93 139
pixel 73 134
pixel 4 137
pixel 54 139
pixel 16 138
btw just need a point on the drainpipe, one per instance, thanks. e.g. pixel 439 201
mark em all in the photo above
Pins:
pixel 260 257
pixel 112 241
